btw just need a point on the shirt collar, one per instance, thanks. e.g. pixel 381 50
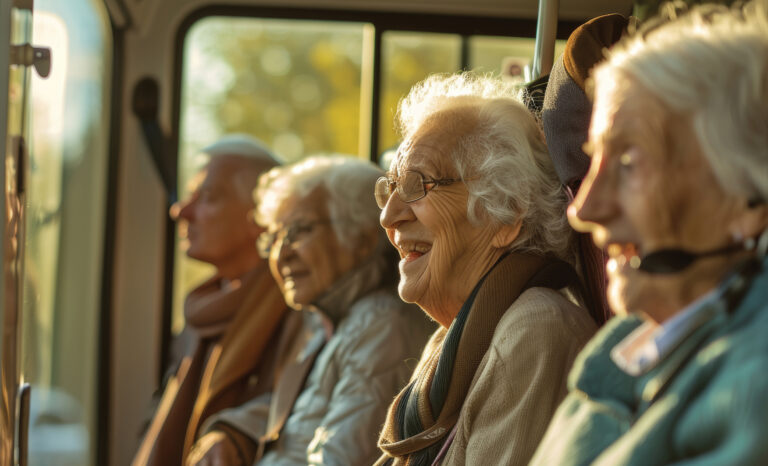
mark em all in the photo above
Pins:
pixel 646 346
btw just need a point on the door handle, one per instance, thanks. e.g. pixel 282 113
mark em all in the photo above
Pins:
pixel 27 55
pixel 25 397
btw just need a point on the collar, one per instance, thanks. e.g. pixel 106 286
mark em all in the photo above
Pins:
pixel 646 346
pixel 371 274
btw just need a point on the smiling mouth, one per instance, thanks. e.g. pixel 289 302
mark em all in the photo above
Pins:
pixel 410 252
pixel 292 276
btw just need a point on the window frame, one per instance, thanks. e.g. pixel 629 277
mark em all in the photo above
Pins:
pixel 382 22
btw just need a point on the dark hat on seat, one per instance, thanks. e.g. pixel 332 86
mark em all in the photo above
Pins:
pixel 567 109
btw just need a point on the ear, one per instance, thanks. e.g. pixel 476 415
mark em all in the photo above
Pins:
pixel 253 228
pixel 750 222
pixel 505 235
pixel 366 243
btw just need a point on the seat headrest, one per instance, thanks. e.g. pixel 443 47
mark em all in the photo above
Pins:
pixel 567 110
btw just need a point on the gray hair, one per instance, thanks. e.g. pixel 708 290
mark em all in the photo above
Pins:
pixel 251 155
pixel 348 182
pixel 503 160
pixel 711 64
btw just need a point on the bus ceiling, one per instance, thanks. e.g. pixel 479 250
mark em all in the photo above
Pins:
pixel 135 13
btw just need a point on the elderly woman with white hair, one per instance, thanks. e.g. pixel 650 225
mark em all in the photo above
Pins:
pixel 474 207
pixel 348 360
pixel 676 194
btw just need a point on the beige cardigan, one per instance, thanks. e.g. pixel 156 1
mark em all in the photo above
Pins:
pixel 521 380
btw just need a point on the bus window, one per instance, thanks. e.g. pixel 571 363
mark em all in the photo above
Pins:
pixel 407 58
pixel 505 55
pixel 294 84
pixel 66 200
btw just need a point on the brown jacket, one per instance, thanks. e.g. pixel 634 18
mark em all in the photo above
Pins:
pixel 222 372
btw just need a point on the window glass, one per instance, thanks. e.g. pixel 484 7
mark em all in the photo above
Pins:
pixel 504 55
pixel 406 59
pixel 293 84
pixel 65 203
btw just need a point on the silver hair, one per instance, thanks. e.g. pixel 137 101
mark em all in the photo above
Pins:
pixel 250 153
pixel 503 160
pixel 347 181
pixel 711 64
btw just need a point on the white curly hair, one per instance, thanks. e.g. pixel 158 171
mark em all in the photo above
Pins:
pixel 503 160
pixel 347 181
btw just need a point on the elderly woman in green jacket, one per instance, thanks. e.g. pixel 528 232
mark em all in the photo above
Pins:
pixel 474 207
pixel 676 194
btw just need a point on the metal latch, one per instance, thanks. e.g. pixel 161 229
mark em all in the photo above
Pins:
pixel 25 395
pixel 26 55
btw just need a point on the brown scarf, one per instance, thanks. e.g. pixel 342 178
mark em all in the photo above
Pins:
pixel 444 375
pixel 231 361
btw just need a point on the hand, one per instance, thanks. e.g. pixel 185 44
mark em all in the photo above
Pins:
pixel 214 449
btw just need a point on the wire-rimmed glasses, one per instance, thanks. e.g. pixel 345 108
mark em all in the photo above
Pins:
pixel 410 186
pixel 290 235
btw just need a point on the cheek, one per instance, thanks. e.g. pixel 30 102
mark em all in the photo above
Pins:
pixel 649 202
pixel 391 235
pixel 323 267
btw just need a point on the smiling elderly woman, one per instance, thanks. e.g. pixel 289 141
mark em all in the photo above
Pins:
pixel 333 263
pixel 474 207
pixel 676 194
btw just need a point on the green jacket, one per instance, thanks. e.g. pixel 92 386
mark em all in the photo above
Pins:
pixel 705 403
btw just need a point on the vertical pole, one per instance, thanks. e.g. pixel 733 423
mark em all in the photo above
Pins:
pixel 546 32
pixel 370 91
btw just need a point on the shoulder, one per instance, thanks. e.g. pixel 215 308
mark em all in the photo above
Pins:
pixel 382 311
pixel 739 353
pixel 546 315
pixel 381 326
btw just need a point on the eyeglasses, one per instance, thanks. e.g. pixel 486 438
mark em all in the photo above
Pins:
pixel 410 186
pixel 291 235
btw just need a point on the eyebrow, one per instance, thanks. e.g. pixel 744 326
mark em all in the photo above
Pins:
pixel 610 139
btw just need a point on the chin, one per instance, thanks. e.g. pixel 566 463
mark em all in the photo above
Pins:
pixel 617 295
pixel 406 292
pixel 631 293
pixel 192 253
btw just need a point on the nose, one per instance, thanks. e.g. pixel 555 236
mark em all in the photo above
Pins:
pixel 282 252
pixel 395 212
pixel 183 209
pixel 595 203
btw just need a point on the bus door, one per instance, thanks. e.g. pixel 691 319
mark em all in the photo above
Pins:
pixel 20 56
pixel 54 129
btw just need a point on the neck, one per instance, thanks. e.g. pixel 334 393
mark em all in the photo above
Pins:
pixel 675 294
pixel 239 265
pixel 449 303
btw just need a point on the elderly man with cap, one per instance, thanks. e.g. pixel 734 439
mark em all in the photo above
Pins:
pixel 233 319
pixel 676 195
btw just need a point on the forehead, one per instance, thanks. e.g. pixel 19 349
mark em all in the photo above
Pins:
pixel 429 147
pixel 309 207
pixel 626 112
pixel 219 172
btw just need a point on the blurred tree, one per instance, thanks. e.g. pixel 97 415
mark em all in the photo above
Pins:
pixel 295 84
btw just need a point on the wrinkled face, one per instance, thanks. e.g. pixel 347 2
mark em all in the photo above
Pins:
pixel 649 188
pixel 308 262
pixel 443 255
pixel 215 219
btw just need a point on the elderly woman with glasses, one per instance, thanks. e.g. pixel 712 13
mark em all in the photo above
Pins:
pixel 676 195
pixel 348 359
pixel 474 207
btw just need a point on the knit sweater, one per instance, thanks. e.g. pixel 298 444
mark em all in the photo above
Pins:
pixel 704 403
